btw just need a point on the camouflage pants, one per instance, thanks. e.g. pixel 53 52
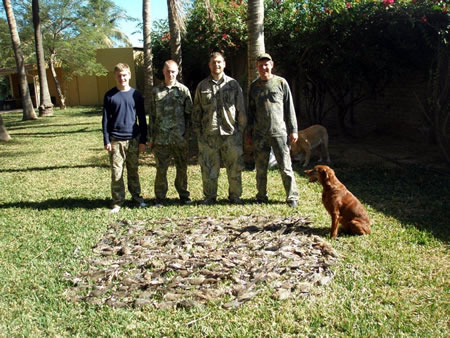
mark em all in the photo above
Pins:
pixel 281 152
pixel 163 154
pixel 124 153
pixel 213 149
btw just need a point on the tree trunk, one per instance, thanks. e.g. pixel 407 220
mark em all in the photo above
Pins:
pixel 255 26
pixel 442 98
pixel 175 34
pixel 61 96
pixel 45 105
pixel 148 67
pixel 4 136
pixel 28 110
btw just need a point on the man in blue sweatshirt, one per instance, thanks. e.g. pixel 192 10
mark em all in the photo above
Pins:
pixel 124 135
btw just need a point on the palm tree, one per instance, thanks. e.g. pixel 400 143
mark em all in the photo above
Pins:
pixel 107 16
pixel 27 104
pixel 148 67
pixel 210 11
pixel 52 64
pixel 4 136
pixel 46 105
pixel 176 25
pixel 255 25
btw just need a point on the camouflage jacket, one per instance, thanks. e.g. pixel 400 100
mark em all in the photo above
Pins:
pixel 169 114
pixel 271 109
pixel 219 107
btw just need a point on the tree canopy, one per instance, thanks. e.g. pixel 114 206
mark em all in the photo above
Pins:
pixel 72 30
pixel 334 53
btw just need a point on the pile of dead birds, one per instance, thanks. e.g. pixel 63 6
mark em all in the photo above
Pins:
pixel 191 261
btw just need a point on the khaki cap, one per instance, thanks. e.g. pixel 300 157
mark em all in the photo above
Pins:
pixel 264 56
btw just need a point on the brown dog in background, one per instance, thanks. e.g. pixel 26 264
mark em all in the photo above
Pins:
pixel 311 138
pixel 341 204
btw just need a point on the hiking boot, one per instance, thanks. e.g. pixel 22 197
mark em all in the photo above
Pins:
pixel 261 200
pixel 158 203
pixel 292 204
pixel 185 201
pixel 235 200
pixel 208 201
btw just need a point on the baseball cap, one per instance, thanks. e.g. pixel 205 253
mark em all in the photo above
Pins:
pixel 264 56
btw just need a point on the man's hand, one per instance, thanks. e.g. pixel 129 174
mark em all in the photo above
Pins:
pixel 293 137
pixel 108 147
pixel 141 147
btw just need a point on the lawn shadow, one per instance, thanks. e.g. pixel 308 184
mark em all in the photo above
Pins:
pixel 18 126
pixel 89 111
pixel 57 133
pixel 62 203
pixel 16 154
pixel 153 202
pixel 81 166
pixel 413 195
pixel 176 201
pixel 245 201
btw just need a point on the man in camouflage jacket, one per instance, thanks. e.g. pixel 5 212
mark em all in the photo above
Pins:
pixel 271 118
pixel 219 119
pixel 171 107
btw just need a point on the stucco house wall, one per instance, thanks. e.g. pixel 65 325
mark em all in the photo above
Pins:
pixel 89 90
pixel 79 90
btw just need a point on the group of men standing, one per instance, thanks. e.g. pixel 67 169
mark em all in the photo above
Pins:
pixel 218 118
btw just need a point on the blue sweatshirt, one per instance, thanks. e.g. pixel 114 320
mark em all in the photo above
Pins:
pixel 124 116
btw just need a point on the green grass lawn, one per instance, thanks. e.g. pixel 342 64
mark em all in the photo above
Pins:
pixel 54 199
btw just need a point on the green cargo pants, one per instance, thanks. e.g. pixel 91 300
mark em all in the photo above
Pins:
pixel 124 153
pixel 282 154
pixel 163 155
pixel 213 149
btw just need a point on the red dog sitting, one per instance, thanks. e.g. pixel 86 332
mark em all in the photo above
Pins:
pixel 340 203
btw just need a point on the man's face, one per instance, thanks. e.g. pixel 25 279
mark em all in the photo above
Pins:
pixel 216 65
pixel 170 73
pixel 265 69
pixel 123 79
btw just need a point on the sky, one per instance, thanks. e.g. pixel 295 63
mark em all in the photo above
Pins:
pixel 158 10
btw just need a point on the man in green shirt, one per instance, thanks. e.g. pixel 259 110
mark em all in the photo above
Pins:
pixel 272 121
pixel 219 119
pixel 169 117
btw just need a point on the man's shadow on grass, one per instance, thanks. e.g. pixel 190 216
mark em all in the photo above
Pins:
pixel 61 203
pixel 219 202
